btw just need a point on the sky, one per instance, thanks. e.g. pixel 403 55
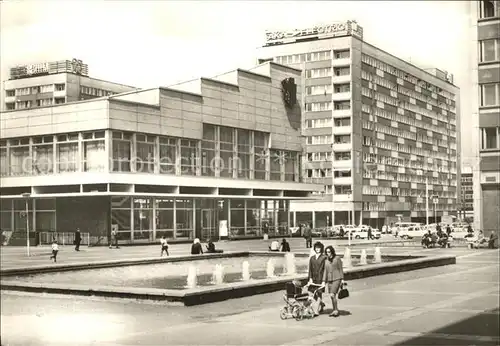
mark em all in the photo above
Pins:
pixel 153 43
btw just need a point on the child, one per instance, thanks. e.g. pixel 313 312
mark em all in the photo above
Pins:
pixel 164 246
pixel 55 249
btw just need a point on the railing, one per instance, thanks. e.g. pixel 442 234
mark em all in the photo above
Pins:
pixel 63 238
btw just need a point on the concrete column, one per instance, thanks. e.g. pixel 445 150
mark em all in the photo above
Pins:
pixel 133 149
pixel 245 216
pixel 79 165
pixel 252 156
pixel 294 219
pixel 194 219
pixel 175 218
pixel 154 218
pixel 54 154
pixel 132 218
pixel 108 149
pixel 313 219
pixel 157 155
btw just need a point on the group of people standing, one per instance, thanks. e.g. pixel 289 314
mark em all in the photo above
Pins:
pixel 325 271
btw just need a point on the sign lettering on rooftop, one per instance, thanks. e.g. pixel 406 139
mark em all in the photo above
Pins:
pixel 321 31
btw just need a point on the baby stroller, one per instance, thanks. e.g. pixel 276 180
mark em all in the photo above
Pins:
pixel 298 303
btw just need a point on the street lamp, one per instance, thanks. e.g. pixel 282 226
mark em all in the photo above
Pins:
pixel 26 197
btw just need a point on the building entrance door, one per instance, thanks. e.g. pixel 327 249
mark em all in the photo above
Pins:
pixel 208 224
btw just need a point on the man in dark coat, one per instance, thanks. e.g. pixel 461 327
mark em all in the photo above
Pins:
pixel 308 236
pixel 78 239
pixel 285 246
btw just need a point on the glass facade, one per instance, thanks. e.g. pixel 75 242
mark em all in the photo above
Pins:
pixel 41 215
pixel 189 218
pixel 224 152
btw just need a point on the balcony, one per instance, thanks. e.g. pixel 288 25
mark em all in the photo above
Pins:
pixel 342 130
pixel 10 99
pixel 342 146
pixel 60 93
pixel 341 79
pixel 342 181
pixel 342 198
pixel 341 113
pixel 342 96
pixel 342 163
pixel 341 62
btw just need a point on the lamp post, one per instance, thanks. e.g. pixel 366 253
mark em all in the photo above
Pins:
pixel 26 197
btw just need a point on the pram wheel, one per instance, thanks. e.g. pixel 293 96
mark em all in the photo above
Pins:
pixel 284 313
pixel 295 311
pixel 299 314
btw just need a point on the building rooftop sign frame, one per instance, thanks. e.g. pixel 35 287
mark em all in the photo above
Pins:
pixel 349 28
pixel 75 66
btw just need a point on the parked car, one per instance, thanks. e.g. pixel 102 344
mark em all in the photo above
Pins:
pixel 362 233
pixel 412 232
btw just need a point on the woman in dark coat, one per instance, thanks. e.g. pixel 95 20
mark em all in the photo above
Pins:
pixel 332 277
pixel 316 271
pixel 196 248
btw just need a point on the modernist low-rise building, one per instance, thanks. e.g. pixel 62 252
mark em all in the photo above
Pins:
pixel 207 158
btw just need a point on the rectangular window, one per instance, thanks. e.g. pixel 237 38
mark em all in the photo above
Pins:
pixel 319 89
pixel 489 9
pixel 342 105
pixel 342 88
pixel 342 139
pixel 490 94
pixel 319 72
pixel 343 155
pixel 489 50
pixel 490 138
pixel 189 156
pixel 10 106
pixel 318 106
pixel 243 163
pixel 60 87
pixel 208 150
pixel 168 155
pixel 145 153
pixel 94 153
pixel 276 163
pixel 4 161
pixel 291 161
pixel 342 71
pixel 339 122
pixel 226 151
pixel 261 142
pixel 122 151
pixel 10 93
pixel 342 54
pixel 43 155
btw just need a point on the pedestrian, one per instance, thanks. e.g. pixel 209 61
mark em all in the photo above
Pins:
pixel 370 234
pixel 196 248
pixel 114 239
pixel 285 246
pixel 164 246
pixel 448 230
pixel 308 235
pixel 55 250
pixel 315 276
pixel 78 239
pixel 332 277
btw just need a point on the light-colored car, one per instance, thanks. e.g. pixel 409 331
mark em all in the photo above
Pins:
pixel 412 232
pixel 362 233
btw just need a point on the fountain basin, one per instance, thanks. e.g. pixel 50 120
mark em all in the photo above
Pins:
pixel 19 279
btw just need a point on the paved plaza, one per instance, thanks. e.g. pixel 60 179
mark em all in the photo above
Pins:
pixel 449 305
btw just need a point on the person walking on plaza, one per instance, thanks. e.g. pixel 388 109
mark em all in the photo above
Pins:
pixel 448 230
pixel 55 250
pixel 308 236
pixel 78 239
pixel 370 234
pixel 332 277
pixel 315 276
pixel 164 246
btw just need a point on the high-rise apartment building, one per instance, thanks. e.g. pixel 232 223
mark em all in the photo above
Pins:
pixel 485 61
pixel 378 129
pixel 466 193
pixel 52 83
